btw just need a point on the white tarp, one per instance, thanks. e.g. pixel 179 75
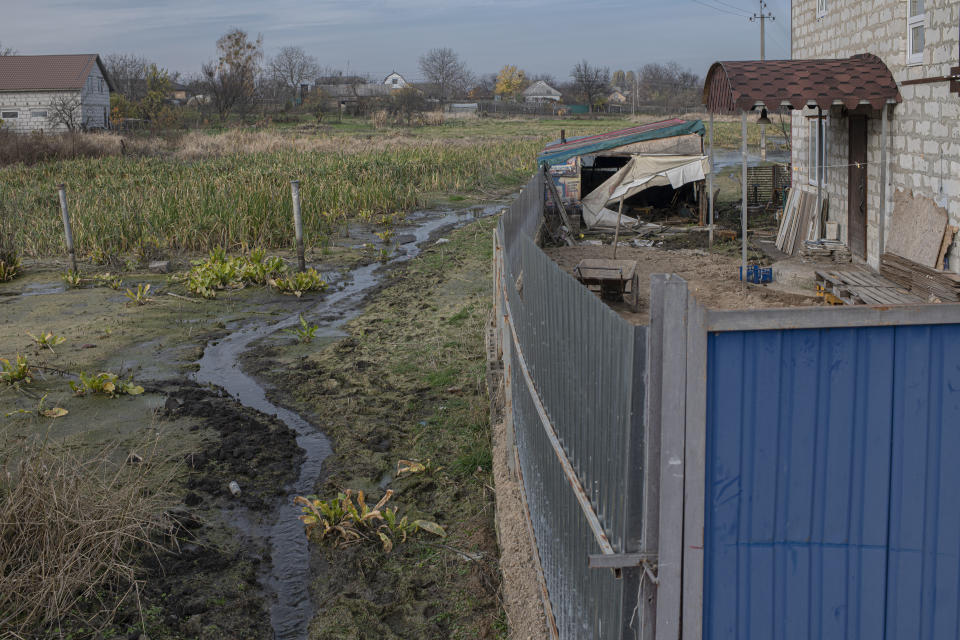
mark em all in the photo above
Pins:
pixel 641 172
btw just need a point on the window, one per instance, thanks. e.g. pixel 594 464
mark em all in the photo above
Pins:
pixel 916 23
pixel 38 113
pixel 821 8
pixel 9 115
pixel 813 148
pixel 394 81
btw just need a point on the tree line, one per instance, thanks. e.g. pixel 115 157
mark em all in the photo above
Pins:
pixel 241 80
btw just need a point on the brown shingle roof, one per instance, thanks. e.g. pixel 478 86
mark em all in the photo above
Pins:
pixel 48 73
pixel 739 86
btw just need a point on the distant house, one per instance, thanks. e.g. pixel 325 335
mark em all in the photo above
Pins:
pixel 179 93
pixel 32 88
pixel 395 81
pixel 540 91
pixel 617 97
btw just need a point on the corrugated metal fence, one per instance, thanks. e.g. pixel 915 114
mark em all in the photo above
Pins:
pixel 767 473
pixel 576 388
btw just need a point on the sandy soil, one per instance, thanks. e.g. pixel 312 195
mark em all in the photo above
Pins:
pixel 713 278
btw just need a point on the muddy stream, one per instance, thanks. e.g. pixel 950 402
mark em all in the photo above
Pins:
pixel 289 579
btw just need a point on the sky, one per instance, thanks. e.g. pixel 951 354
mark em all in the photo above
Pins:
pixel 376 37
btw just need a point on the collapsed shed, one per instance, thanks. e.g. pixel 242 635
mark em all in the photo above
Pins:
pixel 652 161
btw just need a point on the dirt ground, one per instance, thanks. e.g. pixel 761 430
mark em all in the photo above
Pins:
pixel 713 278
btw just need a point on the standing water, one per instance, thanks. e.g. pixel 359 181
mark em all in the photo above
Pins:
pixel 289 579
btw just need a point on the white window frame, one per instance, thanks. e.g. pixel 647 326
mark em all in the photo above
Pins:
pixel 821 8
pixel 916 21
pixel 5 115
pixel 812 156
pixel 38 113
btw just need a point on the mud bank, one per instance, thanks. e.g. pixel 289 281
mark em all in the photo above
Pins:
pixel 406 381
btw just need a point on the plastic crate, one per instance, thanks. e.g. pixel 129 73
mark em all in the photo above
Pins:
pixel 757 274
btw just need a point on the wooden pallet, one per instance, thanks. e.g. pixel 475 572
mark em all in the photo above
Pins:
pixel 863 287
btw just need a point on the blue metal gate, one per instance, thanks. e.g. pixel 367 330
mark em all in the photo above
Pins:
pixel 832 471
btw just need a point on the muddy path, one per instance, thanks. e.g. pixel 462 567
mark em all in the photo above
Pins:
pixel 221 366
pixel 243 569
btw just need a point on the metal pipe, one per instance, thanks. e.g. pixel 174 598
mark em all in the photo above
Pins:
pixel 298 224
pixel 616 234
pixel 820 170
pixel 743 199
pixel 884 133
pixel 67 229
pixel 710 179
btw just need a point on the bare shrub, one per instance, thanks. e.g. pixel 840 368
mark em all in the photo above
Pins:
pixel 380 119
pixel 71 530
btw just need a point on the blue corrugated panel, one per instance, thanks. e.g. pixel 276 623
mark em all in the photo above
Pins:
pixel 833 484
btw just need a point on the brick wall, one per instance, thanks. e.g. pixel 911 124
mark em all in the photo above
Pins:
pixel 924 144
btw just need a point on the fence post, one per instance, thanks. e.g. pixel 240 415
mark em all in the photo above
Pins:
pixel 67 229
pixel 298 224
pixel 672 421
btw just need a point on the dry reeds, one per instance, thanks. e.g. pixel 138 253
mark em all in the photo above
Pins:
pixel 70 532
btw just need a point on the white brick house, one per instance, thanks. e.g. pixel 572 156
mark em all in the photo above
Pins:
pixel 31 86
pixel 395 81
pixel 918 41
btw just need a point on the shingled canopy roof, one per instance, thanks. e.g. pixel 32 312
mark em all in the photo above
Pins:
pixel 733 87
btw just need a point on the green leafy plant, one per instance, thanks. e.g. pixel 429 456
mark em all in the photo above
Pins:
pixel 414 467
pixel 300 282
pixel 53 412
pixel 104 384
pixel 306 331
pixel 108 280
pixel 218 272
pixel 16 371
pixel 72 278
pixel 342 521
pixel 47 339
pixel 141 296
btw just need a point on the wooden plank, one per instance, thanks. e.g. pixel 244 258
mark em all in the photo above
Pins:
pixel 948 236
pixel 916 228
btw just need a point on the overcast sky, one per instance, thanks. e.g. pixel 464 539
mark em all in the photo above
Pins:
pixel 377 36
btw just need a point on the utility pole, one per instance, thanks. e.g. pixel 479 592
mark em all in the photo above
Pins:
pixel 762 18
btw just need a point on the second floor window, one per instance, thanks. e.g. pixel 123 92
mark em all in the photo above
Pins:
pixel 916 22
pixel 821 8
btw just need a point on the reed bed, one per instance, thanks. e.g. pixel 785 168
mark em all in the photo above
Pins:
pixel 237 193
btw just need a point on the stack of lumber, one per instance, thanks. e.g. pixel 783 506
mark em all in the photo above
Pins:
pixel 860 286
pixel 822 250
pixel 923 281
pixel 801 221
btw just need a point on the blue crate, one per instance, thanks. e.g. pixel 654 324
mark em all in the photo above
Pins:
pixel 757 274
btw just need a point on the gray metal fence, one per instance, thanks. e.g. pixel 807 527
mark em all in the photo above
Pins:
pixel 575 374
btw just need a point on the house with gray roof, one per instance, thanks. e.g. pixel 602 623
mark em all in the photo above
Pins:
pixel 54 93
pixel 540 91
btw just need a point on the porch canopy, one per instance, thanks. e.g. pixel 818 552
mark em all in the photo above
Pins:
pixel 739 87
pixel 734 87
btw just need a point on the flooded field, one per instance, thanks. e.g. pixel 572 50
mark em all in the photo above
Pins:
pixel 220 406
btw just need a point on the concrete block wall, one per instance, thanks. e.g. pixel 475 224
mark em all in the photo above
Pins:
pixel 924 143
pixel 28 103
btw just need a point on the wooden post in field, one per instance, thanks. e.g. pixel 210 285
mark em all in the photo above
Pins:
pixel 298 224
pixel 67 229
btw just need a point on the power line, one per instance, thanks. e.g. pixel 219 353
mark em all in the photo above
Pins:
pixel 720 9
pixel 732 6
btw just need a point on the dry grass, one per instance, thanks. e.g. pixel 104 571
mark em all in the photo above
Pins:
pixel 70 532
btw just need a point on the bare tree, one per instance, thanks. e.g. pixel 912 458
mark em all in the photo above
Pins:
pixel 294 67
pixel 129 74
pixel 590 82
pixel 64 110
pixel 443 68
pixel 231 81
pixel 668 87
pixel 7 51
